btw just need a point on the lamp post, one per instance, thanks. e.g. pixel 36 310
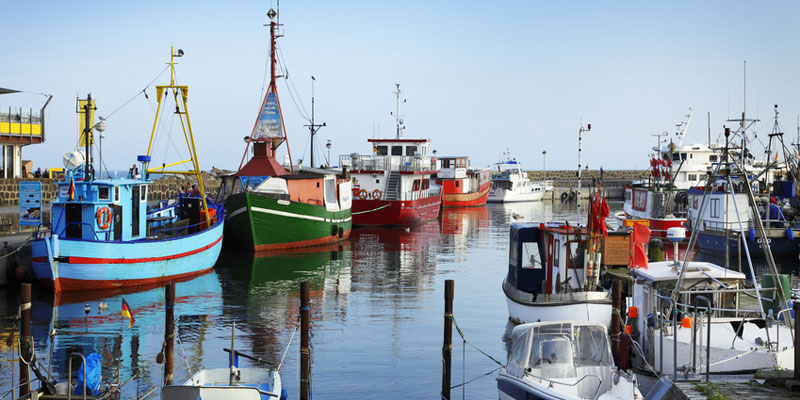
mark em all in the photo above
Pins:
pixel 580 133
pixel 329 145
pixel 544 165
pixel 100 127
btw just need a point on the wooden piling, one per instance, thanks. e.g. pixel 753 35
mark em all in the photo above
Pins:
pixel 305 351
pixel 447 344
pixel 616 297
pixel 796 307
pixel 25 338
pixel 169 333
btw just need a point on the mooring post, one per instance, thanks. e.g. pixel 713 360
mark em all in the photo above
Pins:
pixel 616 296
pixel 447 345
pixel 169 333
pixel 25 338
pixel 796 307
pixel 305 351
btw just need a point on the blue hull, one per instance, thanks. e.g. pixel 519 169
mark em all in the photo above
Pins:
pixel 74 264
pixel 715 243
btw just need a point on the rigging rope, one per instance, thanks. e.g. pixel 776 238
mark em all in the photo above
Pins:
pixel 137 93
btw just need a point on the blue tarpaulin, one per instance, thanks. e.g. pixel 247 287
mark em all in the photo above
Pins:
pixel 93 371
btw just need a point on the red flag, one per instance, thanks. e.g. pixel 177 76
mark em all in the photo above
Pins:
pixel 639 256
pixel 641 234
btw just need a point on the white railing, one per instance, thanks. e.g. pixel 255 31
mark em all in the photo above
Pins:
pixel 386 163
pixel 433 191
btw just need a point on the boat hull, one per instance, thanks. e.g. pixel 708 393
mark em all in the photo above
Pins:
pixel 260 223
pixel 395 212
pixel 510 196
pixel 580 306
pixel 475 199
pixel 714 242
pixel 511 388
pixel 659 226
pixel 72 265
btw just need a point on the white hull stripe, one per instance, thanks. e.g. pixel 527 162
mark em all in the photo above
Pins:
pixel 290 215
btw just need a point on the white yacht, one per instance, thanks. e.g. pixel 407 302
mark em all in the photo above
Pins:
pixel 511 184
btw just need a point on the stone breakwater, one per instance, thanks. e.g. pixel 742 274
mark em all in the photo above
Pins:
pixel 571 176
pixel 160 189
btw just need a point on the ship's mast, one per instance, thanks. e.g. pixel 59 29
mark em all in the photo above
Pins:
pixel 313 127
pixel 399 134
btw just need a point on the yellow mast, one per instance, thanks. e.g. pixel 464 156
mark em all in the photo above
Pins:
pixel 186 125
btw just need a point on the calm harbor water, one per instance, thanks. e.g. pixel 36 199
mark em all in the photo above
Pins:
pixel 377 305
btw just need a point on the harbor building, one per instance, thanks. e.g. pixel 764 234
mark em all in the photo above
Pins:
pixel 19 127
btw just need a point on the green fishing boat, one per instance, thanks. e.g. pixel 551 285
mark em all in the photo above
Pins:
pixel 270 208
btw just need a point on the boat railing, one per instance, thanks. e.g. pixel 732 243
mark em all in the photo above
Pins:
pixel 91 229
pixel 552 382
pixel 386 163
pixel 433 191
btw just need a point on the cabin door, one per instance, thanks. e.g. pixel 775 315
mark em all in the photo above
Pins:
pixel 549 265
pixel 117 210
pixel 135 211
pixel 73 218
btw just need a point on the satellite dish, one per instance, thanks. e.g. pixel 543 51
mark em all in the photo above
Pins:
pixel 73 159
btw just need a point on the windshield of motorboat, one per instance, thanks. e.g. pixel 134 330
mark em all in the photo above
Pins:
pixel 592 346
pixel 552 352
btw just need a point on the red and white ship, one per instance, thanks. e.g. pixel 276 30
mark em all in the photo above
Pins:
pixel 654 205
pixel 461 185
pixel 393 185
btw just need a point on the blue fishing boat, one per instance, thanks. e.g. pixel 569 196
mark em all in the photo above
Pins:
pixel 103 235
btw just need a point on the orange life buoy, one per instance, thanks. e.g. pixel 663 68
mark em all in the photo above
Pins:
pixel 103 217
pixel 362 194
pixel 376 194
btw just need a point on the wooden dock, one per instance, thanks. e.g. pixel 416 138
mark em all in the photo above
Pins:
pixel 753 389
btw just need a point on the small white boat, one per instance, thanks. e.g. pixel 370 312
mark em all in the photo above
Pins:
pixel 228 384
pixel 548 279
pixel 232 383
pixel 742 340
pixel 511 184
pixel 563 360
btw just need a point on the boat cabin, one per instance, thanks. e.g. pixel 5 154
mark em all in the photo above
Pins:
pixel 309 186
pixel 546 258
pixel 105 209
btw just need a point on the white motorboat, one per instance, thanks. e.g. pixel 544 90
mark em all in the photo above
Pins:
pixel 228 384
pixel 563 360
pixel 511 184
pixel 741 340
pixel 548 279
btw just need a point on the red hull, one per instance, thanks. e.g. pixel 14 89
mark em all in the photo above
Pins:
pixel 395 212
pixel 69 285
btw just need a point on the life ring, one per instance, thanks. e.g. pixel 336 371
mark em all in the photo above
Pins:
pixel 362 194
pixel 103 217
pixel 376 194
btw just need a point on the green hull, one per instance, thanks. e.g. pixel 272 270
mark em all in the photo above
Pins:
pixel 260 222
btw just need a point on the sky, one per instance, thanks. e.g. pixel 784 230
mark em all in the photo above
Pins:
pixel 477 77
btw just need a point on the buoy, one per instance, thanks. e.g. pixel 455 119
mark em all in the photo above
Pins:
pixel 790 233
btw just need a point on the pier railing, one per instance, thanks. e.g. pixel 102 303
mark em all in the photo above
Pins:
pixel 20 122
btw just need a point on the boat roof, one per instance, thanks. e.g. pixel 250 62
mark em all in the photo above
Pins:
pixel 664 271
pixel 398 140
pixel 525 327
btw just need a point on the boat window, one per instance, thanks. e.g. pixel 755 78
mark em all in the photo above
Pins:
pixel 381 150
pixel 446 163
pixel 551 356
pixel 116 193
pixel 397 150
pixel 457 183
pixel 692 177
pixel 143 192
pixel 576 254
pixel 103 192
pixel 517 355
pixel 556 251
pixel 676 157
pixel 237 186
pixel 426 183
pixel 712 158
pixel 530 256
pixel 592 347
pixel 416 185
pixel 683 156
pixel 714 208
pixel 411 150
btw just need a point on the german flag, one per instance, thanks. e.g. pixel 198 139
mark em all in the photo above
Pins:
pixel 72 189
pixel 126 312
